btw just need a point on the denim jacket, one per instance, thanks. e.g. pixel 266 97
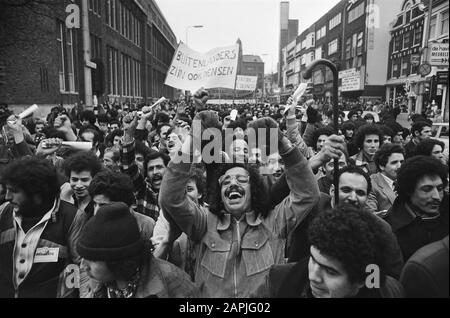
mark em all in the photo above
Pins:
pixel 234 257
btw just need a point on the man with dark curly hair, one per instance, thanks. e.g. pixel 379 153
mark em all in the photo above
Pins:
pixel 368 139
pixel 80 169
pixel 420 130
pixel 38 233
pixel 108 187
pixel 388 159
pixel 431 147
pixel 347 245
pixel 240 237
pixel 419 214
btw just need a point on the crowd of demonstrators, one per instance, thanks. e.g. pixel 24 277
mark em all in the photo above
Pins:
pixel 145 212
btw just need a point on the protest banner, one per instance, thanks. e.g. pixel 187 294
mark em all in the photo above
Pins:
pixel 191 70
pixel 246 83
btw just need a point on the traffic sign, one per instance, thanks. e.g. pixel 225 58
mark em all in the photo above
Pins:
pixel 439 54
pixel 424 69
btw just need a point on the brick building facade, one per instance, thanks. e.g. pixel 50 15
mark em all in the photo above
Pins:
pixel 42 61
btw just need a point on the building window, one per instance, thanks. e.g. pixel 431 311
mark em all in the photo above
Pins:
pixel 321 33
pixel 356 12
pixel 396 67
pixel 443 29
pixel 70 60
pixel 406 40
pixel 359 43
pixel 333 47
pixel 113 71
pixel 60 40
pixel 405 65
pixel 66 49
pixel 335 21
pixel 348 47
pixel 96 47
pixel 349 63
pixel 398 43
pixel 433 27
pixel 359 61
pixel 94 6
pixel 111 13
pixel 318 53
pixel 418 35
pixel 414 68
pixel 408 17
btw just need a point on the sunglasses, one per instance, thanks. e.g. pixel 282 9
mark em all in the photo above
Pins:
pixel 226 180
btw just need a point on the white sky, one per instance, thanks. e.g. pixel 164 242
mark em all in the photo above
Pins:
pixel 255 22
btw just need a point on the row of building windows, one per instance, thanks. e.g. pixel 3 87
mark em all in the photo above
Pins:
pixel 408 39
pixel 161 51
pixel 66 42
pixel 439 25
pixel 403 67
pixel 121 19
pixel 335 21
pixel 124 74
pixel 356 12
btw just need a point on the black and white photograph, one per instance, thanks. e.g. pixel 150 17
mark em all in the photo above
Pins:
pixel 224 153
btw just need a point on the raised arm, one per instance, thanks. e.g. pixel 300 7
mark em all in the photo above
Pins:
pixel 174 202
pixel 127 153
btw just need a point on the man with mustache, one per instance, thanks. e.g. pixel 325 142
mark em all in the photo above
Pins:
pixel 354 187
pixel 155 163
pixel 388 159
pixel 240 237
pixel 368 139
pixel 38 233
pixel 419 215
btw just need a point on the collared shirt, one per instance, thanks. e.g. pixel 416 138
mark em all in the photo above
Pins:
pixel 389 181
pixel 26 243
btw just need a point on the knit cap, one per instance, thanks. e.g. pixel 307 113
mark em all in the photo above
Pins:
pixel 110 235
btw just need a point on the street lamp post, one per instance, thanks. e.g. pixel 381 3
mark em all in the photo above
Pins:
pixel 308 75
pixel 189 27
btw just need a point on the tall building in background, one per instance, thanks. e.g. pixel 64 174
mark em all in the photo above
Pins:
pixel 288 32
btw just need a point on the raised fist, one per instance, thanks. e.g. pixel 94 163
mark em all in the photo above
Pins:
pixel 269 127
pixel 200 98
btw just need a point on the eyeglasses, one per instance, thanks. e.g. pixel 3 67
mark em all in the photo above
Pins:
pixel 225 180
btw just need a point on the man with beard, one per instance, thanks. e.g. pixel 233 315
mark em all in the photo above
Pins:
pixel 419 215
pixel 388 159
pixel 240 237
pixel 155 163
pixel 368 140
pixel 38 233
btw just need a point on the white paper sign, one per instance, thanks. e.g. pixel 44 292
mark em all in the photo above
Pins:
pixel 46 255
pixel 246 83
pixel 191 70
